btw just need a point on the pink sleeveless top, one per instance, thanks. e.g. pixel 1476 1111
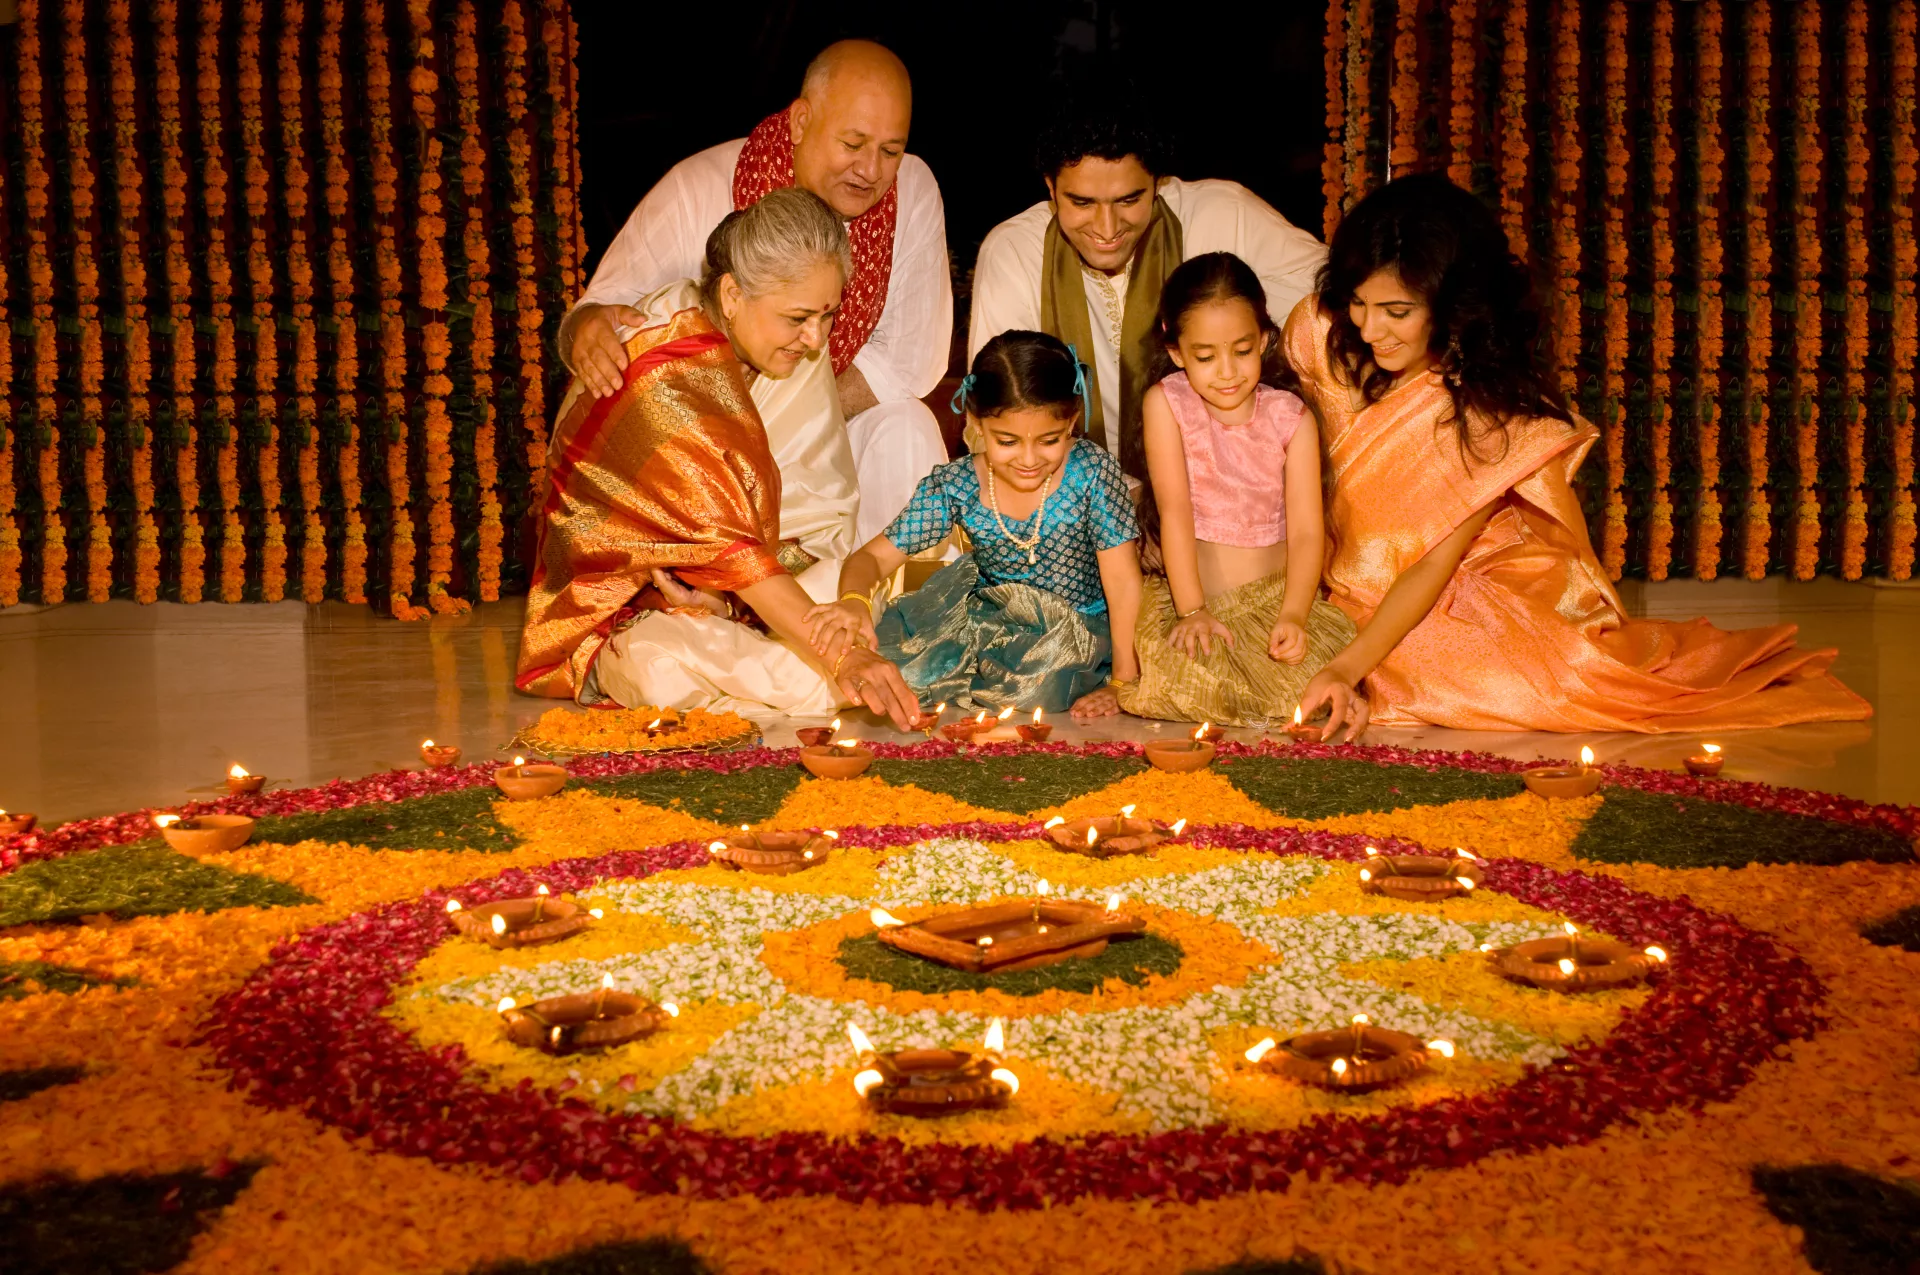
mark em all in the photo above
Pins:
pixel 1237 473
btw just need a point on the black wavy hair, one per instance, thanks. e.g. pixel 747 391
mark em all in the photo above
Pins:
pixel 1102 122
pixel 1019 369
pixel 1202 280
pixel 1489 342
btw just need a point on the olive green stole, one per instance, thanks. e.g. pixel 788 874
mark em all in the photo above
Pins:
pixel 1063 313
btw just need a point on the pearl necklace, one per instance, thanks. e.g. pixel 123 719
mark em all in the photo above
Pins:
pixel 1039 516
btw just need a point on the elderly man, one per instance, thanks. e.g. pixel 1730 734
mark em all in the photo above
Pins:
pixel 845 139
pixel 1087 264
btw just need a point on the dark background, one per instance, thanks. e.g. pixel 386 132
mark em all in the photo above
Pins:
pixel 1239 90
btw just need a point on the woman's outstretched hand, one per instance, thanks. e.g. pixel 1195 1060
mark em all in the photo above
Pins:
pixel 868 679
pixel 832 626
pixel 1347 707
pixel 1104 702
pixel 688 598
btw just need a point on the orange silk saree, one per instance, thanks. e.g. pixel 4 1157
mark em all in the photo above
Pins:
pixel 674 471
pixel 1528 634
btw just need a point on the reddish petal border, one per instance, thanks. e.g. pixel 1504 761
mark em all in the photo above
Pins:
pixel 400 785
pixel 304 1032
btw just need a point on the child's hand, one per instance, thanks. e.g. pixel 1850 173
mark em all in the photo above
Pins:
pixel 686 598
pixel 1104 702
pixel 1194 636
pixel 832 625
pixel 1288 642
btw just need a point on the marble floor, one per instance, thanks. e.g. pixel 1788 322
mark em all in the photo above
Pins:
pixel 119 706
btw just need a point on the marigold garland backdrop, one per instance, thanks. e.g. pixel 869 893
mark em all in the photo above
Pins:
pixel 1718 199
pixel 277 282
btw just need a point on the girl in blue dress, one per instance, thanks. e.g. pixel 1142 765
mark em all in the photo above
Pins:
pixel 1041 613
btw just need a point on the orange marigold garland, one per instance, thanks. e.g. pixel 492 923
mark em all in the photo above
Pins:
pixel 478 253
pixel 1759 337
pixel 1613 552
pixel 128 191
pixel 1460 109
pixel 179 272
pixel 225 364
pixel 295 178
pixel 1906 262
pixel 1514 149
pixel 527 317
pixel 1333 169
pixel 9 528
pixel 35 202
pixel 86 296
pixel 346 353
pixel 1566 170
pixel 1808 159
pixel 1660 381
pixel 1853 535
pixel 266 353
pixel 1404 93
pixel 1710 330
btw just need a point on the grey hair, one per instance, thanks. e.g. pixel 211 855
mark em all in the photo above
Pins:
pixel 773 243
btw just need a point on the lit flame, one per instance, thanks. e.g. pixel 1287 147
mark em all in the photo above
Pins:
pixel 1261 1050
pixel 1373 852
pixel 1202 732
pixel 1361 1020
pixel 654 724
pixel 1442 1047
pixel 672 1010
pixel 1093 835
pixel 1366 874
pixel 1461 853
pixel 1298 720
pixel 507 1003
pixel 1486 947
pixel 1113 903
pixel 1179 826
pixel 165 821
pixel 831 835
pixel 981 720
pixel 426 743
pixel 1567 967
pixel 1004 714
pixel 519 761
pixel 834 727
pixel 1710 749
pixel 1586 755
pixel 984 941
pixel 1570 928
pixel 996 1037
pixel 499 924
pixel 555 1036
pixel 606 982
pixel 596 914
pixel 1038 715
pixel 846 743
pixel 1054 822
pixel 1339 1067
pixel 866 1080
pixel 1044 888
pixel 715 847
pixel 806 854
pixel 1126 812
pixel 882 918
pixel 453 905
pixel 940 708
pixel 1007 1078
pixel 861 1043
pixel 1466 883
pixel 237 771
pixel 1658 953
pixel 542 891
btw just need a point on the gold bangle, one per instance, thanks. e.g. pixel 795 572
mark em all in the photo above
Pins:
pixel 851 648
pixel 859 597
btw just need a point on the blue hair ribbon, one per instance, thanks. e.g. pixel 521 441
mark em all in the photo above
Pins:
pixel 1080 388
pixel 959 403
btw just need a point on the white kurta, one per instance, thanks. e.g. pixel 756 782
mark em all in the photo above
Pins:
pixel 897 442
pixel 1215 216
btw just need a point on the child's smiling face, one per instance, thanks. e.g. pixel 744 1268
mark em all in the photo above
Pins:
pixel 1025 445
pixel 1220 349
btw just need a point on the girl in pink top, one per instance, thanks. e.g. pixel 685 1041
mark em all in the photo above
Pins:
pixel 1234 629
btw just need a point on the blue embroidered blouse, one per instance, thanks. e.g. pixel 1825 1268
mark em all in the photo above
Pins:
pixel 1088 510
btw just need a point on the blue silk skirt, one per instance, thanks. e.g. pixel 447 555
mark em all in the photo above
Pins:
pixel 988 647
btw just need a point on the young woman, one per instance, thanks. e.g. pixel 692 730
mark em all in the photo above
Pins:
pixel 1234 630
pixel 1041 613
pixel 1460 547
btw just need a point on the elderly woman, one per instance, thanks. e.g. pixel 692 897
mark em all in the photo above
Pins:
pixel 685 513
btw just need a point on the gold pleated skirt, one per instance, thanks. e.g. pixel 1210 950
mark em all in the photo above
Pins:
pixel 1239 685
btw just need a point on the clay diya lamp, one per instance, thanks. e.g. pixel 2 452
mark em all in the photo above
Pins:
pixel 932 1082
pixel 997 938
pixel 1570 963
pixel 817 736
pixel 929 723
pixel 240 780
pixel 528 782
pixel 1564 781
pixel 842 759
pixel 967 729
pixel 774 853
pixel 578 1024
pixel 17 824
pixel 1300 731
pixel 438 756
pixel 1179 756
pixel 1420 878
pixel 1107 836
pixel 1355 1060
pixel 204 834
pixel 521 922
pixel 1707 762
pixel 1037 730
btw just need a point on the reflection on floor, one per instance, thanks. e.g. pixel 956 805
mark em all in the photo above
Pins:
pixel 119 706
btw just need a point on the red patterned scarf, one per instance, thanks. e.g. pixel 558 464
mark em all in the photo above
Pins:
pixel 766 164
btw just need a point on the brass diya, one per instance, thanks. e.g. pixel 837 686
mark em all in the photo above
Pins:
pixel 1354 1059
pixel 588 1021
pixel 844 760
pixel 1419 878
pixel 1109 836
pixel 1572 963
pixel 204 834
pixel 932 1082
pixel 519 922
pixel 774 853
pixel 997 938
